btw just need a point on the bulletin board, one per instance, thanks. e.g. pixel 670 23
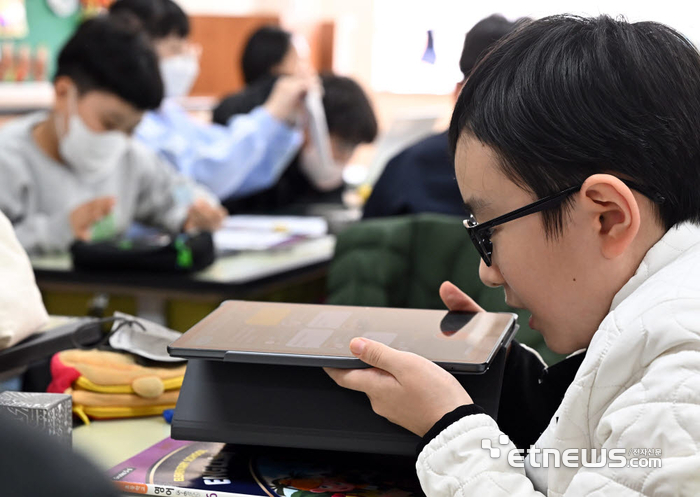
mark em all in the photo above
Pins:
pixel 46 35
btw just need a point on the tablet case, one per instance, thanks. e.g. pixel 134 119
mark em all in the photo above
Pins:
pixel 301 407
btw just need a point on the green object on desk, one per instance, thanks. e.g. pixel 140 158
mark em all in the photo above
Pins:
pixel 104 229
pixel 184 253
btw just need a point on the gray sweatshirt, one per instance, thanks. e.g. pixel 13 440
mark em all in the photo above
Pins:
pixel 38 193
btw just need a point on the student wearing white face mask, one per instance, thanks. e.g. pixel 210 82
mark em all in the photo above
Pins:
pixel 245 156
pixel 66 170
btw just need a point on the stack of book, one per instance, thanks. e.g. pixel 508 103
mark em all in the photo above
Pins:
pixel 207 469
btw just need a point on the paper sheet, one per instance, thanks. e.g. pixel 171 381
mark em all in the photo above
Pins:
pixel 291 225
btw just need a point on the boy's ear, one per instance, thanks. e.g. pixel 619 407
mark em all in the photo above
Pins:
pixel 62 86
pixel 613 211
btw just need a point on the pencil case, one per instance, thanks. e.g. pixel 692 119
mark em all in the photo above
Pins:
pixel 106 384
pixel 180 253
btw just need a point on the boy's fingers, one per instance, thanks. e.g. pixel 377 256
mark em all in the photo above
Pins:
pixel 456 300
pixel 360 380
pixel 378 355
pixel 106 204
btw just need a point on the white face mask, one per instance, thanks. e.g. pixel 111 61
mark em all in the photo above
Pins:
pixel 179 73
pixel 87 152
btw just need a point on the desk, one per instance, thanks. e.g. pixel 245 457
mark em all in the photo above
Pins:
pixel 107 443
pixel 246 275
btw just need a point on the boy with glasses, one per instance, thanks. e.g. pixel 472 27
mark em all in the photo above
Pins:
pixel 576 152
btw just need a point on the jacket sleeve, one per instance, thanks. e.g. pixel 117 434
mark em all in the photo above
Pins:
pixel 247 155
pixel 455 464
pixel 37 232
pixel 660 411
pixel 387 197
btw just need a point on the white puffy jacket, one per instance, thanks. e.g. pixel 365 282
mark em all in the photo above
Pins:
pixel 637 388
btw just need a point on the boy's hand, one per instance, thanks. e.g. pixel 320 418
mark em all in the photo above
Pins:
pixel 405 388
pixel 85 215
pixel 456 300
pixel 204 216
pixel 285 101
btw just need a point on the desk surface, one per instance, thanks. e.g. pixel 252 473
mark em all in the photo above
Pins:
pixel 107 443
pixel 229 272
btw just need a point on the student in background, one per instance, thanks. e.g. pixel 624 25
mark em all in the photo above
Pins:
pixel 240 157
pixel 269 52
pixel 421 178
pixel 68 169
pixel 351 121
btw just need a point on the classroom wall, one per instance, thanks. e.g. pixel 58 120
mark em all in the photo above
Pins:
pixel 47 29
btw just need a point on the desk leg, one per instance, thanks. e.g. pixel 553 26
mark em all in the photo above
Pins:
pixel 151 307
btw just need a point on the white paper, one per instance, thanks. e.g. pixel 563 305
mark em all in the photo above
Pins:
pixel 293 225
pixel 226 240
pixel 324 167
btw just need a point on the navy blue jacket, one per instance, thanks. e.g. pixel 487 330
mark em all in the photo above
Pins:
pixel 419 179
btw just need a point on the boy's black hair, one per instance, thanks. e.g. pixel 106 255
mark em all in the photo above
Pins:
pixel 566 97
pixel 348 110
pixel 113 55
pixel 265 48
pixel 483 36
pixel 160 18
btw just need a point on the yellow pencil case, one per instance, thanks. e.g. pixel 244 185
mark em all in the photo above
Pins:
pixel 112 385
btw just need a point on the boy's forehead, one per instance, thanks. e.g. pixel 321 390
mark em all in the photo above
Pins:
pixel 476 167
pixel 485 189
pixel 108 102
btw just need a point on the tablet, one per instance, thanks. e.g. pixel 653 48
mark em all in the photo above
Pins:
pixel 319 335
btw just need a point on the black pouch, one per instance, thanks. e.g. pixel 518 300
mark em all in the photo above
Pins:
pixel 180 253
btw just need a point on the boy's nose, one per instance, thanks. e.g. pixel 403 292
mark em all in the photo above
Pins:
pixel 490 276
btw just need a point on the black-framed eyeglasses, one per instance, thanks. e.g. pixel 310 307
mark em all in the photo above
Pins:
pixel 480 233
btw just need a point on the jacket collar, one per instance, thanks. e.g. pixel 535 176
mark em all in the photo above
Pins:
pixel 675 242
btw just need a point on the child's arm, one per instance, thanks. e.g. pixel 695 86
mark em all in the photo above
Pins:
pixel 37 232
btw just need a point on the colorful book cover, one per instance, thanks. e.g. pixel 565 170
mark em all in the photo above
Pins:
pixel 207 469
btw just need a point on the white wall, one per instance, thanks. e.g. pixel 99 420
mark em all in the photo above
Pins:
pixel 379 42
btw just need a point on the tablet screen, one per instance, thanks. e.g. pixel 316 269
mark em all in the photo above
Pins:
pixel 326 331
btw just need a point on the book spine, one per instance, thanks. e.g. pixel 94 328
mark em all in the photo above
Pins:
pixel 170 491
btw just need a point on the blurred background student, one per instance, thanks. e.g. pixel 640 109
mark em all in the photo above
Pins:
pixel 66 170
pixel 351 121
pixel 270 51
pixel 238 157
pixel 422 178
